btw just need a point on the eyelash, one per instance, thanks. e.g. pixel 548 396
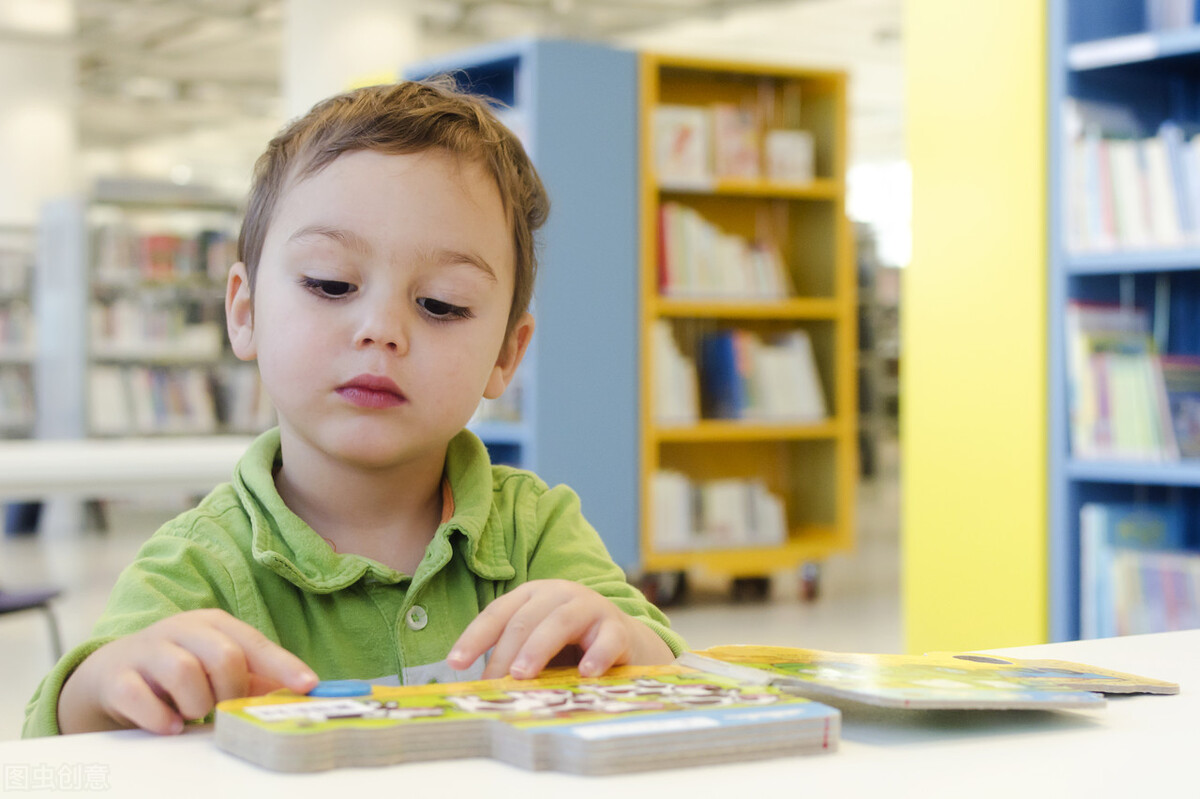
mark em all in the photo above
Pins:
pixel 322 287
pixel 448 312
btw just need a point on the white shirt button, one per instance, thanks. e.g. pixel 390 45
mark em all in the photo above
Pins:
pixel 416 618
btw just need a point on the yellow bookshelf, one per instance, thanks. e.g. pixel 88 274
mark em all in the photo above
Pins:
pixel 811 466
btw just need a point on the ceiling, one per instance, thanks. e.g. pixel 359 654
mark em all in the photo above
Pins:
pixel 152 68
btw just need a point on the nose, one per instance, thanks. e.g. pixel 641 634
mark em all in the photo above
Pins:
pixel 384 328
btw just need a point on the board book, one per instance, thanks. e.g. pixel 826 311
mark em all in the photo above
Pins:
pixel 935 681
pixel 632 719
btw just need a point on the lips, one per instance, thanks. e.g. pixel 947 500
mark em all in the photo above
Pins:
pixel 372 391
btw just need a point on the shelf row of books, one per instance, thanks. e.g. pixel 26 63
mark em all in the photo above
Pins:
pixel 696 145
pixel 125 256
pixel 1128 192
pixel 124 400
pixel 132 329
pixel 1126 401
pixel 715 514
pixel 740 375
pixel 1136 574
pixel 699 260
pixel 743 376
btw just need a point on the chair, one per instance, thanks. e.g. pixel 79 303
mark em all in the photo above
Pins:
pixel 35 599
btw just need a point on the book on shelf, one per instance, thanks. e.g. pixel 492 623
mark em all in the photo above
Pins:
pixel 124 255
pixel 697 259
pixel 1116 395
pixel 1162 15
pixel 1126 190
pixel 933 681
pixel 1135 576
pixel 682 145
pixel 695 146
pixel 1181 380
pixel 736 152
pixel 743 377
pixel 790 155
pixel 242 404
pixel 131 327
pixel 727 513
pixel 148 401
pixel 676 385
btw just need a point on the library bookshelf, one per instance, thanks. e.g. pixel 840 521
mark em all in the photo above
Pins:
pixel 130 300
pixel 809 464
pixel 1115 79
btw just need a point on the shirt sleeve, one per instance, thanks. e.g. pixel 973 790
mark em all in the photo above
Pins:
pixel 170 574
pixel 569 548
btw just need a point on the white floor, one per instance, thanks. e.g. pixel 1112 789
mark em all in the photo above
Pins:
pixel 858 609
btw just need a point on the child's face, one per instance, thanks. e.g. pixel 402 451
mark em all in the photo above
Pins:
pixel 380 305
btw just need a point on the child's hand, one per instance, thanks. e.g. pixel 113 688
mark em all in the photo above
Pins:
pixel 174 670
pixel 530 625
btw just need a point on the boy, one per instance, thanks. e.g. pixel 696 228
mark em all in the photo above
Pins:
pixel 385 268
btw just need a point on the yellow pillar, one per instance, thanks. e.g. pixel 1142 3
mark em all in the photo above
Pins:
pixel 974 386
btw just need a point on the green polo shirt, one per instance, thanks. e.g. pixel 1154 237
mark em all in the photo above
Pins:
pixel 347 616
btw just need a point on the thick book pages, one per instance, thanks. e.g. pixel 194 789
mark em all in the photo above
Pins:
pixel 632 719
pixel 939 680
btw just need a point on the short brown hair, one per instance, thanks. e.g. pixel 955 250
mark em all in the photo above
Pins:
pixel 403 118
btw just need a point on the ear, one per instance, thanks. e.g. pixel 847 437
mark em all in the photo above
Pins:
pixel 510 357
pixel 239 313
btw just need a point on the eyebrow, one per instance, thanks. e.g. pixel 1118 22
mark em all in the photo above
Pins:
pixel 353 241
pixel 443 256
pixel 347 238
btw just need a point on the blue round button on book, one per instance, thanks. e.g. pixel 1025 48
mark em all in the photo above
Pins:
pixel 332 688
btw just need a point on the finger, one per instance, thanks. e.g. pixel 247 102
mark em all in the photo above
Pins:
pixel 609 648
pixel 130 699
pixel 560 626
pixel 485 630
pixel 266 658
pixel 525 622
pixel 180 679
pixel 221 657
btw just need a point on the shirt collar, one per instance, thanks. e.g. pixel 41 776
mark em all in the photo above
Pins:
pixel 284 543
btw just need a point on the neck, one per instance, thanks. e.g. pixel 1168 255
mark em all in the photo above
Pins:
pixel 385 513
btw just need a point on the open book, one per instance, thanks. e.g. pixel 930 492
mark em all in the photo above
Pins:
pixel 939 680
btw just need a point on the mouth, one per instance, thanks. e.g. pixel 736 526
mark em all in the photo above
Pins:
pixel 371 391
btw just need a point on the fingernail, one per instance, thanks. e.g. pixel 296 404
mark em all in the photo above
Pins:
pixel 306 677
pixel 176 726
pixel 455 656
pixel 520 669
pixel 588 668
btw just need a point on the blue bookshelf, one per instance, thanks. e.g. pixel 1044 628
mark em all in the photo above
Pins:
pixel 574 105
pixel 1101 53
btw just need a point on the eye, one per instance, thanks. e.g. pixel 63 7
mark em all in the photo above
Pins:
pixel 328 288
pixel 443 310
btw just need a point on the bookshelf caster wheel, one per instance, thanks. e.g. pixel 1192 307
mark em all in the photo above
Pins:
pixel 665 589
pixel 810 582
pixel 751 589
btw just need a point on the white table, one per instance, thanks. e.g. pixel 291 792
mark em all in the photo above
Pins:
pixel 1139 746
pixel 116 467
